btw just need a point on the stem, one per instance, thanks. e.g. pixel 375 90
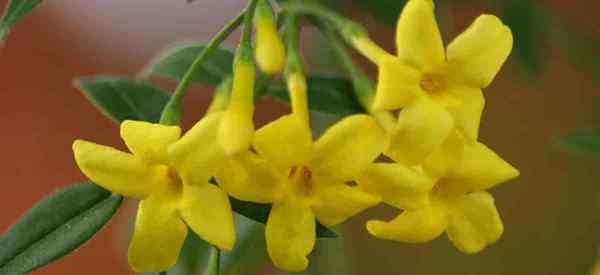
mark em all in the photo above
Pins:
pixel 213 262
pixel 363 86
pixel 294 71
pixel 244 50
pixel 162 273
pixel 171 114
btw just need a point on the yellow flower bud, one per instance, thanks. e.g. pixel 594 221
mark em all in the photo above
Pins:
pixel 237 126
pixel 270 52
pixel 296 83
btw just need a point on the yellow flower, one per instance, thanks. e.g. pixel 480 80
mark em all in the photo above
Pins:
pixel 438 90
pixel 304 180
pixel 170 176
pixel 236 129
pixel 446 194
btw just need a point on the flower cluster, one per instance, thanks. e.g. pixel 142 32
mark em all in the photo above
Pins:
pixel 436 171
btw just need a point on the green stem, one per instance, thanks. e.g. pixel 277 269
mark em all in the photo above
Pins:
pixel 291 36
pixel 363 86
pixel 244 50
pixel 213 262
pixel 345 26
pixel 171 114
pixel 162 273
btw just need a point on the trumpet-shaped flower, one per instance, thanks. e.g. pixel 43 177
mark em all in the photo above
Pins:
pixel 304 180
pixel 170 175
pixel 438 90
pixel 236 128
pixel 446 194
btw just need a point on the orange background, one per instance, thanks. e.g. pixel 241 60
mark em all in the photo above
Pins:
pixel 551 212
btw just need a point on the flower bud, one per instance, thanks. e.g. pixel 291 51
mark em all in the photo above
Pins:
pixel 269 52
pixel 237 125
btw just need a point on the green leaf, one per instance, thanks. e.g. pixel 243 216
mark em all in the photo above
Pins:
pixel 333 95
pixel 527 24
pixel 55 226
pixel 192 257
pixel 581 143
pixel 174 62
pixel 122 99
pixel 15 11
pixel 250 252
pixel 260 213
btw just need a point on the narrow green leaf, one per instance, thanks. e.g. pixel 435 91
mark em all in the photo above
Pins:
pixel 174 62
pixel 15 11
pixel 333 95
pixel 581 143
pixel 122 99
pixel 260 213
pixel 55 226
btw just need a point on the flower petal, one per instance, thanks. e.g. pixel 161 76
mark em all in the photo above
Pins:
pixel 418 38
pixel 466 108
pixel 348 147
pixel 399 186
pixel 290 234
pixel 481 168
pixel 422 127
pixel 149 141
pixel 477 54
pixel 284 142
pixel 197 156
pixel 474 222
pixel 249 178
pixel 158 235
pixel 397 84
pixel 206 209
pixel 337 202
pixel 116 171
pixel 446 158
pixel 412 226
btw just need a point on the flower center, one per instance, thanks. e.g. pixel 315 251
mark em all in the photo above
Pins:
pixel 175 182
pixel 301 179
pixel 432 82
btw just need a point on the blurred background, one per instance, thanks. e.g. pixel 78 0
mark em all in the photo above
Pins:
pixel 549 89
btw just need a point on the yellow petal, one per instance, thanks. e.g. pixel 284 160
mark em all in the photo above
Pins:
pixel 250 178
pixel 158 235
pixel 422 127
pixel 466 105
pixel 477 54
pixel 197 156
pixel 418 37
pixel 206 209
pixel 284 142
pixel 116 171
pixel 397 85
pixel 481 168
pixel 412 226
pixel 446 158
pixel 270 53
pixel 290 234
pixel 348 147
pixel 474 222
pixel 336 202
pixel 399 186
pixel 149 141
